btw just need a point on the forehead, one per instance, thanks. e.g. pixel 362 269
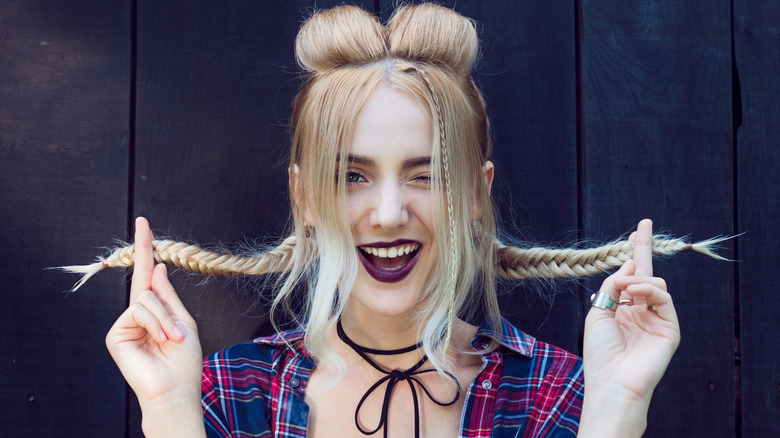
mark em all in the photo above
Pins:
pixel 392 124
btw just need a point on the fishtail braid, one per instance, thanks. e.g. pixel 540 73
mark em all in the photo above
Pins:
pixel 517 263
pixel 195 259
pixel 511 262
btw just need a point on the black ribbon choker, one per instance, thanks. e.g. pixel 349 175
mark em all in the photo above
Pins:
pixel 392 378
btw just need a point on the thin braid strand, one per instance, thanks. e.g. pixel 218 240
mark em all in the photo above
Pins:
pixel 452 280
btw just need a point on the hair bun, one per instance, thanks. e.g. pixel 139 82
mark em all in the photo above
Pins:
pixel 339 36
pixel 433 33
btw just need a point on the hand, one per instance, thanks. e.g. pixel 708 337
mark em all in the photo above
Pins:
pixel 155 342
pixel 626 352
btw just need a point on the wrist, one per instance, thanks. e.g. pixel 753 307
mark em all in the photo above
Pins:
pixel 177 413
pixel 613 412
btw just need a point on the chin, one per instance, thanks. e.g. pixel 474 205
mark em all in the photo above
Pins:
pixel 389 300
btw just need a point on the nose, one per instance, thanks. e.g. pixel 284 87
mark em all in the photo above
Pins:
pixel 390 209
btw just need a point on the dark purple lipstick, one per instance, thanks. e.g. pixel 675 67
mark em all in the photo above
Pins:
pixel 389 275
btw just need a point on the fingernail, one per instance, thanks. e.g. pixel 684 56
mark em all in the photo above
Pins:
pixel 162 336
pixel 177 331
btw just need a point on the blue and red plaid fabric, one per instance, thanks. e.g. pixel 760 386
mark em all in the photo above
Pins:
pixel 526 388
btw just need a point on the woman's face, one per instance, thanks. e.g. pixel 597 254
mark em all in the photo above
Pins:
pixel 389 204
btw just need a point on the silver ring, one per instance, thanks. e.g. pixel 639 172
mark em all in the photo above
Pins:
pixel 602 300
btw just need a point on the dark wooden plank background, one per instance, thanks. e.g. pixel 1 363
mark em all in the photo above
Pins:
pixel 603 112
pixel 657 143
pixel 532 83
pixel 64 105
pixel 756 46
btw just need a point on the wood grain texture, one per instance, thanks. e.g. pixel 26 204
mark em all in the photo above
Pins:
pixel 215 86
pixel 213 91
pixel 215 82
pixel 658 144
pixel 527 74
pixel 64 80
pixel 756 42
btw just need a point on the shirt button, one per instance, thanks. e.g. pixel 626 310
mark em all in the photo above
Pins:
pixel 487 385
pixel 295 382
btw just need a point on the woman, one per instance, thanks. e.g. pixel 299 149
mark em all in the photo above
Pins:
pixel 394 240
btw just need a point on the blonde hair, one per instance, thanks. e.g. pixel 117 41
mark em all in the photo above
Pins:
pixel 426 51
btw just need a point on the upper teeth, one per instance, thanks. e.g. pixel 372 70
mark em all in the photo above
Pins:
pixel 392 252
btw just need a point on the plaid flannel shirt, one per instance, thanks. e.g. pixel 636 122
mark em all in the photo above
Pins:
pixel 525 388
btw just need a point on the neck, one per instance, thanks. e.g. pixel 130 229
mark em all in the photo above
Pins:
pixel 379 331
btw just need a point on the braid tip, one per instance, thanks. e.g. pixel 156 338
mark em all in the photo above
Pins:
pixel 709 246
pixel 86 271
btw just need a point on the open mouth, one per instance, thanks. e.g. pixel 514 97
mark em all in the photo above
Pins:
pixel 390 262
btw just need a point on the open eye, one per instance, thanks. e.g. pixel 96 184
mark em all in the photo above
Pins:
pixel 354 177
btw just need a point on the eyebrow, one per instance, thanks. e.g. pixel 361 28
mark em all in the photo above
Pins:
pixel 407 164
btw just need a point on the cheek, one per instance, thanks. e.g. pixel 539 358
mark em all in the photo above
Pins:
pixel 421 205
pixel 357 208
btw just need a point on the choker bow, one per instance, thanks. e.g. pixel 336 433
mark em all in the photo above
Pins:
pixel 393 378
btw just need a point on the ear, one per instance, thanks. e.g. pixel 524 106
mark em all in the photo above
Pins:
pixel 475 209
pixel 301 202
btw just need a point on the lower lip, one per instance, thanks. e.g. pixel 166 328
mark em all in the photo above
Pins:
pixel 386 275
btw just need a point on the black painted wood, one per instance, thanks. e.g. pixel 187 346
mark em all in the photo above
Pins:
pixel 214 82
pixel 214 90
pixel 658 143
pixel 64 80
pixel 527 73
pixel 756 42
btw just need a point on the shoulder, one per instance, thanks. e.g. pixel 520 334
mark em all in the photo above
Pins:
pixel 541 381
pixel 259 350
pixel 518 348
pixel 240 382
pixel 555 373
pixel 260 358
pixel 253 368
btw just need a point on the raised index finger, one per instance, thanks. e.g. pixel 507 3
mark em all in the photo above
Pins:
pixel 143 264
pixel 643 248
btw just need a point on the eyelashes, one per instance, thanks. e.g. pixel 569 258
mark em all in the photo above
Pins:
pixel 353 177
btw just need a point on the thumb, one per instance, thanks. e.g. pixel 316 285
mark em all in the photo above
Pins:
pixel 167 294
pixel 608 287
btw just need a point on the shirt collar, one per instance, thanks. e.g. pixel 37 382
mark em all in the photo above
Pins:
pixel 289 338
pixel 510 337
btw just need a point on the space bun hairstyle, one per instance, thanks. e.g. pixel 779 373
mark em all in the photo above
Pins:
pixel 427 52
pixel 346 35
